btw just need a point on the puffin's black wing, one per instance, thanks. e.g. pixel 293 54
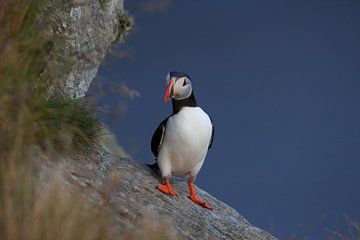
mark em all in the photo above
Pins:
pixel 212 135
pixel 157 137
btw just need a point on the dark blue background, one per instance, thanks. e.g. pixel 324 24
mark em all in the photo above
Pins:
pixel 281 80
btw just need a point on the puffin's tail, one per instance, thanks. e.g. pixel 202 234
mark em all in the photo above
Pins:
pixel 154 167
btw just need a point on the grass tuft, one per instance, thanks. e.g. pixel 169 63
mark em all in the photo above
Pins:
pixel 31 114
pixel 126 22
pixel 67 125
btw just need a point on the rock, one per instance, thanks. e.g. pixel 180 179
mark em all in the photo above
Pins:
pixel 80 35
pixel 81 32
pixel 129 189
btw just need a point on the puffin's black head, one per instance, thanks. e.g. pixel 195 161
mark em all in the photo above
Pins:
pixel 178 86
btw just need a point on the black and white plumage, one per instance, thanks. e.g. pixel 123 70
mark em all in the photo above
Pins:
pixel 181 141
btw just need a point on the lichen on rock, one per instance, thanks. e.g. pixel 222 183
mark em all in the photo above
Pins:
pixel 81 33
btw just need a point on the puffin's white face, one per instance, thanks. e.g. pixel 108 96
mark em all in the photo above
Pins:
pixel 177 88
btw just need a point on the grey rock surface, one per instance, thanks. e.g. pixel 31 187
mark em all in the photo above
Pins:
pixel 129 189
pixel 81 33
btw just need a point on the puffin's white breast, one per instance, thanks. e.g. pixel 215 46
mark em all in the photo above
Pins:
pixel 186 140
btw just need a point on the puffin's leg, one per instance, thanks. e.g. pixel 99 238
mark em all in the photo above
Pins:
pixel 166 188
pixel 195 199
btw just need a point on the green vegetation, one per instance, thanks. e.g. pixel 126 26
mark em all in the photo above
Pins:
pixel 125 24
pixel 29 114
pixel 37 124
pixel 103 3
pixel 70 125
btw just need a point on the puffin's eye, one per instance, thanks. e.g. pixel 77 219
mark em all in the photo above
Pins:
pixel 184 83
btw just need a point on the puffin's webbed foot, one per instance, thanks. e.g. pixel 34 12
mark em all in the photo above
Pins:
pixel 195 199
pixel 166 188
pixel 200 202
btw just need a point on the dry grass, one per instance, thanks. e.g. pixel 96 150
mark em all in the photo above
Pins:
pixel 29 115
pixel 353 230
pixel 50 208
pixel 31 207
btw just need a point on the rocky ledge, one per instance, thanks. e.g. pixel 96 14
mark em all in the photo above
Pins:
pixel 128 188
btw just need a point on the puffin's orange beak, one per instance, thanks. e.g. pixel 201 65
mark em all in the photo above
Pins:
pixel 169 91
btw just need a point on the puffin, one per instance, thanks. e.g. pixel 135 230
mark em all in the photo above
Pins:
pixel 181 141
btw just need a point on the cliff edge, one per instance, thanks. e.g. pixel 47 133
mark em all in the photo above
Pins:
pixel 82 33
pixel 127 188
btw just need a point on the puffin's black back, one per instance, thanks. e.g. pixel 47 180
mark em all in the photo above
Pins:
pixel 177 105
pixel 157 137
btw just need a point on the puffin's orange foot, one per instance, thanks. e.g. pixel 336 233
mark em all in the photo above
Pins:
pixel 194 198
pixel 200 202
pixel 165 189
